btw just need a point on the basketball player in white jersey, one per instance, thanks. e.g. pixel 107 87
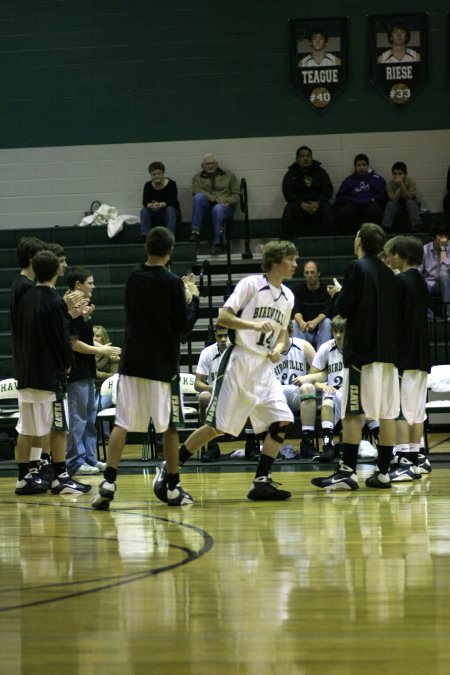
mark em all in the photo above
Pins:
pixel 257 315
pixel 295 361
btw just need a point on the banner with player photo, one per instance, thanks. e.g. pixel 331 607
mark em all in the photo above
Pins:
pixel 318 55
pixel 398 55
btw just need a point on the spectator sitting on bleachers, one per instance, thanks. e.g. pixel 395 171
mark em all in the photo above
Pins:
pixel 361 197
pixel 159 201
pixel 435 267
pixel 295 362
pixel 307 189
pixel 402 192
pixel 215 192
pixel 312 307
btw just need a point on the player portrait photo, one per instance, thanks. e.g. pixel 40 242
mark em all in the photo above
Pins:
pixel 318 56
pixel 398 59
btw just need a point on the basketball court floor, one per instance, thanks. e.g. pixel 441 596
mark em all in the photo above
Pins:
pixel 330 583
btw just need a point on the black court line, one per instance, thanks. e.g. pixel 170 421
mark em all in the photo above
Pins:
pixel 190 556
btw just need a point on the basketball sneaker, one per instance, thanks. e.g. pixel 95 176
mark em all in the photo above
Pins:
pixel 65 485
pixel 327 454
pixel 212 452
pixel 424 465
pixel 178 497
pixel 160 483
pixel 106 492
pixel 46 472
pixel 343 479
pixel 31 484
pixel 264 489
pixel 378 480
pixel 252 451
pixel 307 448
pixel 402 471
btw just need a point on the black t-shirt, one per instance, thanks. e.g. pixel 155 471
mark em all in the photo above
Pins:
pixel 414 350
pixel 311 303
pixel 20 286
pixel 83 364
pixel 157 317
pixel 369 300
pixel 43 347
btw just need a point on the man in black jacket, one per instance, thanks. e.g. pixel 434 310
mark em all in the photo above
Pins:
pixel 307 189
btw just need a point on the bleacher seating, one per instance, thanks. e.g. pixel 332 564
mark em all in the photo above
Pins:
pixel 111 261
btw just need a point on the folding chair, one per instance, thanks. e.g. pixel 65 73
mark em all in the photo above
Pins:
pixel 109 387
pixel 438 384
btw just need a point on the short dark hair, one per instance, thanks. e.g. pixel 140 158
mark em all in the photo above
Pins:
pixel 303 147
pixel 372 238
pixel 27 248
pixel 439 227
pixel 408 248
pixel 399 166
pixel 275 251
pixel 45 265
pixel 156 166
pixel 159 241
pixel 401 26
pixel 361 158
pixel 317 30
pixel 77 274
pixel 57 249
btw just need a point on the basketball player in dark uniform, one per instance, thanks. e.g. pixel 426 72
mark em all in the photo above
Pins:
pixel 369 300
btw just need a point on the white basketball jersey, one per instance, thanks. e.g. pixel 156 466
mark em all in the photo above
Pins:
pixel 292 363
pixel 329 358
pixel 208 363
pixel 255 298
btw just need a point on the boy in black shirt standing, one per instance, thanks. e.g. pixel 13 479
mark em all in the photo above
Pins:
pixel 369 300
pixel 406 254
pixel 43 359
pixel 157 316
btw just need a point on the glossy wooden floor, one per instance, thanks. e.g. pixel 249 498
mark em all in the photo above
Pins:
pixel 353 583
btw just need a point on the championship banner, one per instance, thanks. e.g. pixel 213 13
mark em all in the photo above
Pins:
pixel 318 55
pixel 398 55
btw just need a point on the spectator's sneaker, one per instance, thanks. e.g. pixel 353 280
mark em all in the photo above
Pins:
pixel 31 484
pixel 86 470
pixel 65 485
pixel 101 466
pixel 402 471
pixel 195 236
pixel 106 492
pixel 178 497
pixel 252 451
pixel 424 465
pixel 264 489
pixel 217 249
pixel 307 449
pixel 343 479
pixel 327 454
pixel 160 482
pixel 379 480
pixel 212 452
